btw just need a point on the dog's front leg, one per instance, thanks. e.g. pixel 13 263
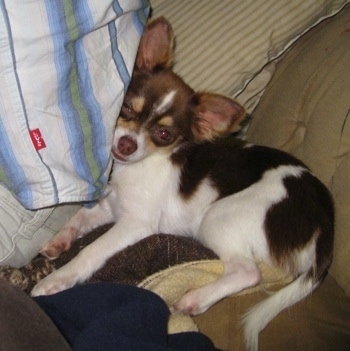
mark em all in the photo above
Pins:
pixel 85 220
pixel 126 232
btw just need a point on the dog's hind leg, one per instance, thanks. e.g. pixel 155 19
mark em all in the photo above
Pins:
pixel 239 273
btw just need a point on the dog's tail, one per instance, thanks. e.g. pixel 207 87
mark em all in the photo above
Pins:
pixel 321 214
pixel 261 314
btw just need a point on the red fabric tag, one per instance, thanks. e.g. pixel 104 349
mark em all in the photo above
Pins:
pixel 37 139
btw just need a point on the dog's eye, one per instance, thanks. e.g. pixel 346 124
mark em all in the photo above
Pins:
pixel 127 112
pixel 164 134
pixel 127 107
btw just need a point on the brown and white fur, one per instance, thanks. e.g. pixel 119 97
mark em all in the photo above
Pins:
pixel 179 170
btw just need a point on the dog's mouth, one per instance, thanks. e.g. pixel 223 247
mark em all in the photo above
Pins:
pixel 118 156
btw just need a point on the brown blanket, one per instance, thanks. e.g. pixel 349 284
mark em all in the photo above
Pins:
pixel 130 266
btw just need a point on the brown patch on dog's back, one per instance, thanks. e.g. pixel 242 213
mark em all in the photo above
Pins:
pixel 306 213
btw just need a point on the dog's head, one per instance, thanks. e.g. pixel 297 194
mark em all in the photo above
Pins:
pixel 160 111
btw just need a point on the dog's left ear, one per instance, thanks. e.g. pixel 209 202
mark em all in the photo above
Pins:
pixel 215 116
pixel 156 46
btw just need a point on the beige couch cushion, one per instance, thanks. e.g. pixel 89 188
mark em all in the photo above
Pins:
pixel 306 110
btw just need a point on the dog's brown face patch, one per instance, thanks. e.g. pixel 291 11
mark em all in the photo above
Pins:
pixel 158 105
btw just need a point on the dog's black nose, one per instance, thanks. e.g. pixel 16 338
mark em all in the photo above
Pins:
pixel 127 145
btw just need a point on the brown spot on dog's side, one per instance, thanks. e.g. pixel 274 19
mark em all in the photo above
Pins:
pixel 306 213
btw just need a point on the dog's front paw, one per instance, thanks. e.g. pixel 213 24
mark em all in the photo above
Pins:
pixel 53 250
pixel 61 242
pixel 53 283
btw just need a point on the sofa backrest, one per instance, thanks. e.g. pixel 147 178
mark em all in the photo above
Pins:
pixel 305 110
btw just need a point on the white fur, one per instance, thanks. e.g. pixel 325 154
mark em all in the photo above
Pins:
pixel 239 218
pixel 166 102
pixel 141 206
pixel 144 200
pixel 233 228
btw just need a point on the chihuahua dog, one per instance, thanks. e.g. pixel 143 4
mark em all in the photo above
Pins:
pixel 179 169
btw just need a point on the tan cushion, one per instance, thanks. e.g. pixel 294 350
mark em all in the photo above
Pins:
pixel 172 283
pixel 318 323
pixel 223 45
pixel 306 110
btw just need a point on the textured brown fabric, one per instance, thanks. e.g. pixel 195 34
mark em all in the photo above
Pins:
pixel 129 266
pixel 24 326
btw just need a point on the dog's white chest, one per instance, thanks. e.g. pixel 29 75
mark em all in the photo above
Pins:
pixel 183 216
pixel 149 189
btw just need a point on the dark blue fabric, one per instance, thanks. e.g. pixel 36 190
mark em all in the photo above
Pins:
pixel 108 316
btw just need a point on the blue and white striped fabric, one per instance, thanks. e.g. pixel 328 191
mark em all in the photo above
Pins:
pixel 64 68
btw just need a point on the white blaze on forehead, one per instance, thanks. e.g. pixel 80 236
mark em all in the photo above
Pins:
pixel 166 102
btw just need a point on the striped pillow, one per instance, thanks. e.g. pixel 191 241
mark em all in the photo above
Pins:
pixel 64 69
pixel 226 46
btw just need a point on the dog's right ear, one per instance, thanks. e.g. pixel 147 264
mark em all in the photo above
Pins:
pixel 156 46
pixel 215 116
